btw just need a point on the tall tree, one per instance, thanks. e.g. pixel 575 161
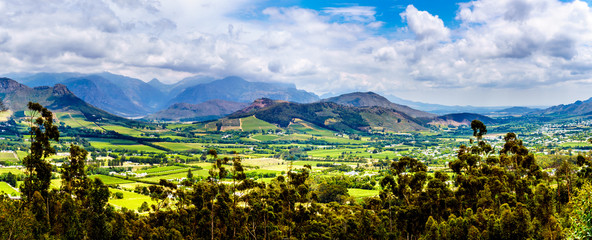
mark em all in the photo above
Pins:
pixel 38 169
pixel 36 184
pixel 73 173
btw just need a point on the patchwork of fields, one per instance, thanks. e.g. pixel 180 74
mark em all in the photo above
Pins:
pixel 177 152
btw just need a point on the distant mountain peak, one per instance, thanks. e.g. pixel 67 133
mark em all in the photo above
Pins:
pixel 155 81
pixel 371 99
pixel 237 89
pixel 60 90
pixel 259 104
pixel 10 85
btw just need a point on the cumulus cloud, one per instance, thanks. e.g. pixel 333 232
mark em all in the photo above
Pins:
pixel 506 45
pixel 425 26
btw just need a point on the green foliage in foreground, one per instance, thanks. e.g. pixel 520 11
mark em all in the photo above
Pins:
pixel 488 196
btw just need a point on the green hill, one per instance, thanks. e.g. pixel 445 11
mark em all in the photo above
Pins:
pixel 331 116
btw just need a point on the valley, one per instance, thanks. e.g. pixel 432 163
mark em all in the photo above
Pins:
pixel 353 151
pixel 129 158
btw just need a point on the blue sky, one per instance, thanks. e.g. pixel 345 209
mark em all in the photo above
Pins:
pixel 386 11
pixel 481 52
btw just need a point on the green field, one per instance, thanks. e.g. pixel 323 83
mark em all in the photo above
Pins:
pixel 109 180
pixel 4 115
pixel 14 171
pixel 176 176
pixel 174 146
pixel 21 154
pixel 6 188
pixel 265 138
pixel 575 144
pixel 252 123
pixel 123 130
pixel 342 140
pixel 130 200
pixel 121 144
pixel 76 121
pixel 159 169
pixel 360 194
pixel 310 128
pixel 295 137
pixel 7 156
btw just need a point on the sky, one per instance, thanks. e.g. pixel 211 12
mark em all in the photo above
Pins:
pixel 481 53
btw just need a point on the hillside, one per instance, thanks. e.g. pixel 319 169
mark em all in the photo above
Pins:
pixel 57 98
pixel 370 99
pixel 576 108
pixel 116 94
pixel 457 119
pixel 212 109
pixel 516 111
pixel 331 115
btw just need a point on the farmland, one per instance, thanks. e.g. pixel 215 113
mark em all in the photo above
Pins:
pixel 180 152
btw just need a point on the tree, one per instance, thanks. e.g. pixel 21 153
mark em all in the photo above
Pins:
pixel 11 179
pixel 73 173
pixel 332 192
pixel 38 170
pixel 479 129
pixel 36 184
pixel 581 215
pixel 189 174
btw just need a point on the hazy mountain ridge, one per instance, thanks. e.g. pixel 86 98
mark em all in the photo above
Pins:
pixel 57 98
pixel 132 97
pixel 517 110
pixel 103 94
pixel 577 108
pixel 116 94
pixel 237 89
pixel 212 109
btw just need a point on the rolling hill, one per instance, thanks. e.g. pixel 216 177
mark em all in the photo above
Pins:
pixel 370 99
pixel 330 115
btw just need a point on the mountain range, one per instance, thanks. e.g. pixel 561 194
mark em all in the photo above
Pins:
pixel 212 109
pixel 106 95
pixel 130 97
pixel 576 108
pixel 57 98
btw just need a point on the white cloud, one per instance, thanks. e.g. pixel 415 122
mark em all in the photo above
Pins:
pixel 506 45
pixel 425 26
pixel 356 13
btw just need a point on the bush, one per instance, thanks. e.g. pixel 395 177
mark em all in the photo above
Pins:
pixel 118 195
